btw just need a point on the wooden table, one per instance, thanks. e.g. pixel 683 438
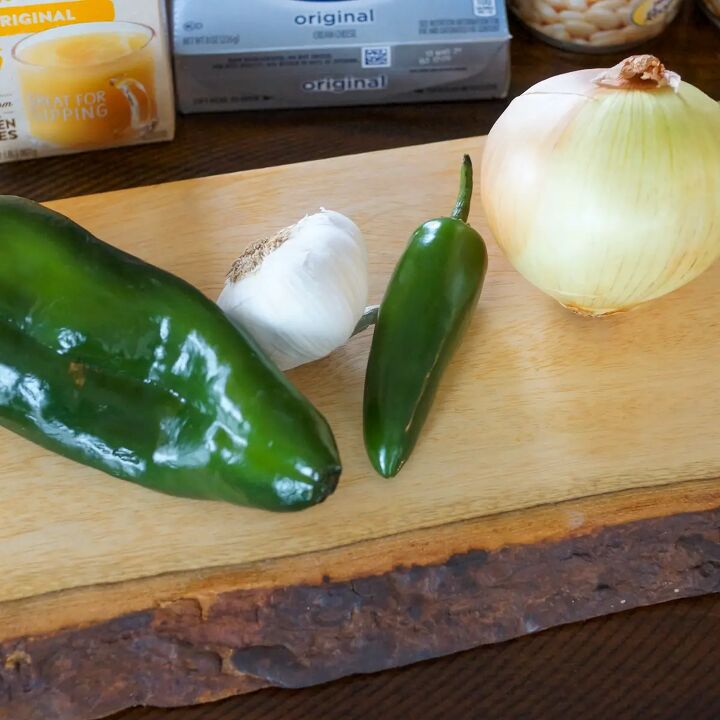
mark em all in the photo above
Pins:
pixel 660 662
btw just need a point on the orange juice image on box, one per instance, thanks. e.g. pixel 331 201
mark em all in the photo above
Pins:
pixel 88 84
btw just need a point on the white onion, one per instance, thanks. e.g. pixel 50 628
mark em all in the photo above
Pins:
pixel 603 187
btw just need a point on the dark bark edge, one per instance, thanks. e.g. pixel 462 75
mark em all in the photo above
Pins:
pixel 189 652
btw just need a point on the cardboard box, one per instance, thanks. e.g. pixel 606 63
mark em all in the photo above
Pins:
pixel 82 75
pixel 303 53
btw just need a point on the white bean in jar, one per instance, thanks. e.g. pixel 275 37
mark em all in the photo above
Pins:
pixel 597 25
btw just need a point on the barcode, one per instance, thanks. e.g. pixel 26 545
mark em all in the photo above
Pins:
pixel 374 57
pixel 485 8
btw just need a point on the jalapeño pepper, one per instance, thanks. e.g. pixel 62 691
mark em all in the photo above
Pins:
pixel 422 318
pixel 119 365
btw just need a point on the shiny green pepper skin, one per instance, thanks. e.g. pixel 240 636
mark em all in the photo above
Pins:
pixel 426 309
pixel 122 366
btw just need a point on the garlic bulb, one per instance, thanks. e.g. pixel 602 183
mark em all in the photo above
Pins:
pixel 603 187
pixel 301 292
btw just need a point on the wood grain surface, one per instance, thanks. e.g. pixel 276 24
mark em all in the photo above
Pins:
pixel 540 406
pixel 233 142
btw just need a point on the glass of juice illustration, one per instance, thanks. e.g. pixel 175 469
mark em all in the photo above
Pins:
pixel 88 84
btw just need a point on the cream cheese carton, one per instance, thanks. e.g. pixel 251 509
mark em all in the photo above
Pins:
pixel 301 53
pixel 82 75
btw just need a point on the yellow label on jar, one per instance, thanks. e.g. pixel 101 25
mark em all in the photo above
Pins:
pixel 35 18
pixel 653 12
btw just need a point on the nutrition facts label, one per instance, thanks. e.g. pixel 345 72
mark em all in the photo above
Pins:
pixel 459 26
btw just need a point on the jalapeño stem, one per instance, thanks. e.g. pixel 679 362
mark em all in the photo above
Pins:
pixel 461 211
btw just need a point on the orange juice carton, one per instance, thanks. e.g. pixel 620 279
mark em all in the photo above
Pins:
pixel 83 75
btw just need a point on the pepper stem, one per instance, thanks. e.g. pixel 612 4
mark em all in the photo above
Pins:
pixel 461 211
pixel 368 318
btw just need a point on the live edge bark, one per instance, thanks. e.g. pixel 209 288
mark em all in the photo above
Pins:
pixel 185 653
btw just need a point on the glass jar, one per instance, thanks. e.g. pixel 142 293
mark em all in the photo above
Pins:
pixel 596 25
pixel 712 8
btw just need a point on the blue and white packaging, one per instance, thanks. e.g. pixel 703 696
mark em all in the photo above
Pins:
pixel 255 54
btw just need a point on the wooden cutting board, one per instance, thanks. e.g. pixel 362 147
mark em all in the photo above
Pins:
pixel 568 470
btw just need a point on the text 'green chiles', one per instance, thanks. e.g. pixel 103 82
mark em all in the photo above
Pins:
pixel 119 365
pixel 423 316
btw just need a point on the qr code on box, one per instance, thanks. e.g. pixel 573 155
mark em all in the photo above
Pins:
pixel 376 57
pixel 485 8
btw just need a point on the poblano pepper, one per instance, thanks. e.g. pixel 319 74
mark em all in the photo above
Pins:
pixel 117 364
pixel 422 318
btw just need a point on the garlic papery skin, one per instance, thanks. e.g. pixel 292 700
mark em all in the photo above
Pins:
pixel 602 187
pixel 301 292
